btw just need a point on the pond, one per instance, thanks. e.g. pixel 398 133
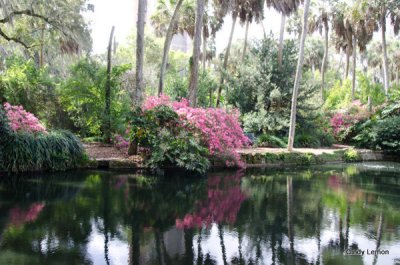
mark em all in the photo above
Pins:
pixel 257 216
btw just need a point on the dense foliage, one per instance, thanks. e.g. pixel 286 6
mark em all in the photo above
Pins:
pixel 168 140
pixel 25 148
pixel 220 130
pixel 83 97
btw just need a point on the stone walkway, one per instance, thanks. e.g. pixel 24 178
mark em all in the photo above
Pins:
pixel 315 151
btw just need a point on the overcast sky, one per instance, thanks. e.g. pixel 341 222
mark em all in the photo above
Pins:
pixel 120 14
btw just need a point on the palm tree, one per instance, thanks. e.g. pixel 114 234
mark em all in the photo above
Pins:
pixel 320 20
pixel 107 112
pixel 194 69
pixel 142 5
pixel 250 10
pixel 139 84
pixel 246 10
pixel 223 9
pixel 298 77
pixel 391 9
pixel 286 8
pixel 172 29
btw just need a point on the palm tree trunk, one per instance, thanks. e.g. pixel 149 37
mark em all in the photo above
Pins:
pixel 298 77
pixel 228 48
pixel 194 73
pixel 167 45
pixel 384 53
pixel 346 72
pixel 142 6
pixel 353 87
pixel 245 39
pixel 107 111
pixel 264 31
pixel 325 59
pixel 397 76
pixel 41 55
pixel 281 33
pixel 204 50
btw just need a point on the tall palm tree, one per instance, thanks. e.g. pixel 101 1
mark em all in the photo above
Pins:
pixel 250 10
pixel 285 8
pixel 387 9
pixel 107 111
pixel 194 69
pixel 142 5
pixel 319 19
pixel 298 77
pixel 172 29
pixel 246 10
pixel 139 84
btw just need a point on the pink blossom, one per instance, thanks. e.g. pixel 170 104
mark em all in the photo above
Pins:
pixel 21 120
pixel 220 129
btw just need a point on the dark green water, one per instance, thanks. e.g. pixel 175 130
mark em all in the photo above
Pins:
pixel 294 216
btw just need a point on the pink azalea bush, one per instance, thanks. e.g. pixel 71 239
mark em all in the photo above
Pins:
pixel 220 129
pixel 120 142
pixel 22 121
pixel 343 120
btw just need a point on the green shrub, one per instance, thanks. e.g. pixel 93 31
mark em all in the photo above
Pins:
pixel 388 134
pixel 266 140
pixel 170 142
pixel 306 140
pixel 57 150
pixel 351 155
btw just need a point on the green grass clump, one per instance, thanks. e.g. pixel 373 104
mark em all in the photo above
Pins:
pixel 351 155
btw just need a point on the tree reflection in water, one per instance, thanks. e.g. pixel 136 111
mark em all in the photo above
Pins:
pixel 253 217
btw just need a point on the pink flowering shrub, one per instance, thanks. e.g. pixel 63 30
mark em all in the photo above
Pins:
pixel 120 142
pixel 224 198
pixel 342 122
pixel 220 130
pixel 21 120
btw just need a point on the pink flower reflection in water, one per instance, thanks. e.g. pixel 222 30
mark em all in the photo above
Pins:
pixel 19 216
pixel 222 204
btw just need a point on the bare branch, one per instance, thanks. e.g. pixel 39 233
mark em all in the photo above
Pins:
pixel 8 38
pixel 31 13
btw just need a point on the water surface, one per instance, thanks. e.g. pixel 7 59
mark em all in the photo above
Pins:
pixel 262 216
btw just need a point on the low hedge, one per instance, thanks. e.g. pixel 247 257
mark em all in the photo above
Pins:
pixel 21 152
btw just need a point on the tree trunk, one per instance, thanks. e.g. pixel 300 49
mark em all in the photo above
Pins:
pixel 245 39
pixel 384 53
pixel 107 111
pixel 167 45
pixel 41 55
pixel 226 60
pixel 194 73
pixel 353 87
pixel 346 72
pixel 298 77
pixel 264 31
pixel 397 76
pixel 281 33
pixel 140 52
pixel 325 59
pixel 204 50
